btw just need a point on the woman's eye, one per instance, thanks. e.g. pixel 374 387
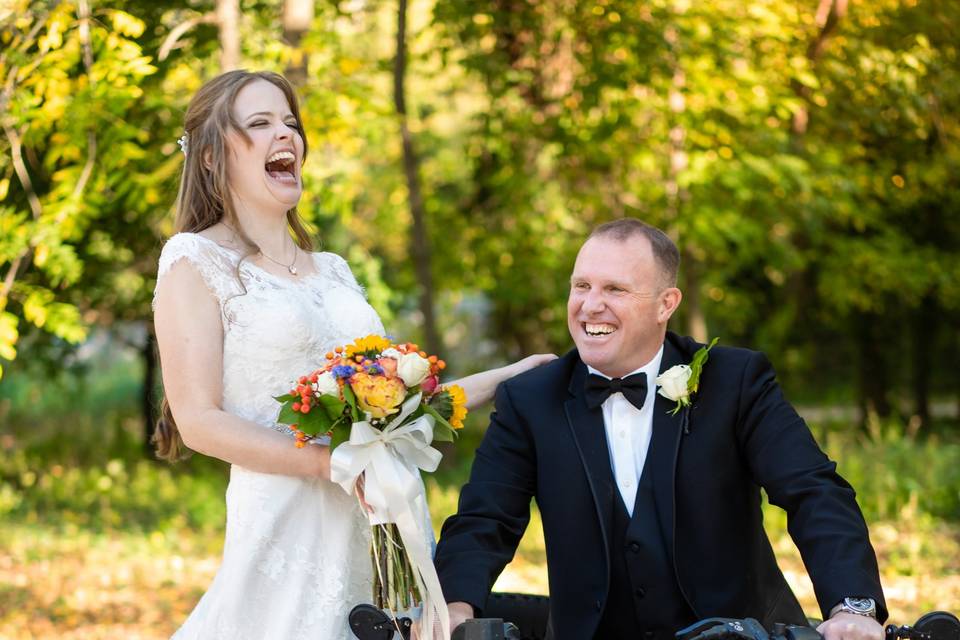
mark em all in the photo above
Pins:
pixel 293 125
pixel 258 123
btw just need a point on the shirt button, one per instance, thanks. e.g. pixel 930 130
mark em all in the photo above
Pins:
pixel 628 484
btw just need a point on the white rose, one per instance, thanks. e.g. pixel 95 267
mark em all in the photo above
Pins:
pixel 327 385
pixel 413 369
pixel 673 383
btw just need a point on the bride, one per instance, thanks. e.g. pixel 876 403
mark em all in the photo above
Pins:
pixel 243 305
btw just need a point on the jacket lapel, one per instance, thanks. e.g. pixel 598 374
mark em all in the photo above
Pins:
pixel 590 437
pixel 667 436
pixel 668 433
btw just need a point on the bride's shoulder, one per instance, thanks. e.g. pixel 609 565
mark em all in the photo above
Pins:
pixel 201 250
pixel 337 266
pixel 329 258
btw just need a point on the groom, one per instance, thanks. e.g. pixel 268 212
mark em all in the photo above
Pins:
pixel 652 520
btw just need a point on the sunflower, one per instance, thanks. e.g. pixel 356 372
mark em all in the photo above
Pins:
pixel 369 346
pixel 459 398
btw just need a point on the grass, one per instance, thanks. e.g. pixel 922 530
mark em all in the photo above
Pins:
pixel 96 542
pixel 68 582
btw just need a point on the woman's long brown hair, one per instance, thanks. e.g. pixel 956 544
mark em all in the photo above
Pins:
pixel 203 199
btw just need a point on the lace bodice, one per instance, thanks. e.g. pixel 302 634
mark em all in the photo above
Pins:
pixel 275 328
pixel 295 555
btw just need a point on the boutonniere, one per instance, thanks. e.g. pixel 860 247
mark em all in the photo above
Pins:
pixel 680 382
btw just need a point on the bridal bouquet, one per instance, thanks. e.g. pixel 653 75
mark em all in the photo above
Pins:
pixel 382 406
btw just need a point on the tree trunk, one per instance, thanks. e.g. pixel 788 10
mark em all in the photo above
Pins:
pixel 874 383
pixel 148 408
pixel 676 195
pixel 924 339
pixel 419 242
pixel 297 16
pixel 696 321
pixel 228 18
pixel 828 16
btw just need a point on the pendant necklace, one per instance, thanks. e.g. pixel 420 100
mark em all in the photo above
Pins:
pixel 289 267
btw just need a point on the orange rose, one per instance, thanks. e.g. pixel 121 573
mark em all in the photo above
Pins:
pixel 378 395
pixel 389 366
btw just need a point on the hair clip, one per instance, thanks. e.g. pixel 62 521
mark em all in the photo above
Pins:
pixel 182 141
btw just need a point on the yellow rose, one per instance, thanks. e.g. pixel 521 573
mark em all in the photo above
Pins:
pixel 377 395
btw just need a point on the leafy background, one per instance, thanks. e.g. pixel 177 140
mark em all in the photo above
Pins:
pixel 803 153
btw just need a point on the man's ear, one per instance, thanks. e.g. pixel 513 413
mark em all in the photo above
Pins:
pixel 669 301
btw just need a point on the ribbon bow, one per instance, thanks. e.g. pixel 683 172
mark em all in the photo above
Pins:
pixel 390 460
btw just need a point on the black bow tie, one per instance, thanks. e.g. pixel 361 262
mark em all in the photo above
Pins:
pixel 633 388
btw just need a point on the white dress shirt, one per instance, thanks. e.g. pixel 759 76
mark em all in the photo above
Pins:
pixel 629 431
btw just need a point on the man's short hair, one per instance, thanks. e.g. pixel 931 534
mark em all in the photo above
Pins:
pixel 665 252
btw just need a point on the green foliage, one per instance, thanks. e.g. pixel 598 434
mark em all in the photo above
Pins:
pixel 899 474
pixel 809 174
pixel 117 494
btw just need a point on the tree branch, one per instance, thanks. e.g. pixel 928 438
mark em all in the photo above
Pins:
pixel 21 169
pixel 174 36
pixel 88 65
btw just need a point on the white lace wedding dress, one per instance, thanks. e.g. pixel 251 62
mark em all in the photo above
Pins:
pixel 295 557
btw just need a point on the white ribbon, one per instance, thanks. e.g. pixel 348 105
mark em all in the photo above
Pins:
pixel 390 460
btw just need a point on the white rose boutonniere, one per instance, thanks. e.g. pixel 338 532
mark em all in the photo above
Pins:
pixel 680 382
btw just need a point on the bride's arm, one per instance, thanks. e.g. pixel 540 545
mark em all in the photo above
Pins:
pixel 480 387
pixel 190 338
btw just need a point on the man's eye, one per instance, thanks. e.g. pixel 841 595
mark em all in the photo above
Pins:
pixel 583 286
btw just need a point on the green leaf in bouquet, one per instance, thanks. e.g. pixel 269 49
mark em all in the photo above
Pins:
pixel 443 431
pixel 332 405
pixel 351 400
pixel 341 433
pixel 287 397
pixel 316 422
pixel 442 403
pixel 288 415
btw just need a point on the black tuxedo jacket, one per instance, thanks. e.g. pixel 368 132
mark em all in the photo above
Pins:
pixel 544 442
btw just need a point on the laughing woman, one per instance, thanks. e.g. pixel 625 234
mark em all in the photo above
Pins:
pixel 241 302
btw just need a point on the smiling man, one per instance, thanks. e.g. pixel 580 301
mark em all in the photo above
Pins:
pixel 651 518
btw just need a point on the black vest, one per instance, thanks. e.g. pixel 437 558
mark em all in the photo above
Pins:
pixel 644 601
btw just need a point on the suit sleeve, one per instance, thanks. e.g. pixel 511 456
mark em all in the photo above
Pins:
pixel 823 517
pixel 478 542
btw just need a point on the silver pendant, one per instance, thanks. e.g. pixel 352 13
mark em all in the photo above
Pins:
pixel 292 269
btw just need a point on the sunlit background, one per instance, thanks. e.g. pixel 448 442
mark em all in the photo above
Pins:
pixel 803 153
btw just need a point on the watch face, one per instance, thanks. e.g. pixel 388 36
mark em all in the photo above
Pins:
pixel 864 605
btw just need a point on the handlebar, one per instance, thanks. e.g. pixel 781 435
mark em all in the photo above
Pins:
pixel 369 623
pixel 938 625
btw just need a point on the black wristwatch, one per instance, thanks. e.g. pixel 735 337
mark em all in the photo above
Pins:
pixel 858 606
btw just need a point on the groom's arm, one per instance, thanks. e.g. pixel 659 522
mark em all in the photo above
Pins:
pixel 478 542
pixel 824 519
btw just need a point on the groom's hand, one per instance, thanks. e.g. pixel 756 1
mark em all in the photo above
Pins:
pixel 459 613
pixel 849 626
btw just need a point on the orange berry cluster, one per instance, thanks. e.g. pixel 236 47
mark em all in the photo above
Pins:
pixel 304 389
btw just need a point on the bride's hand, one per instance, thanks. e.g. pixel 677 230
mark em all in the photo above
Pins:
pixel 363 500
pixel 480 387
pixel 531 362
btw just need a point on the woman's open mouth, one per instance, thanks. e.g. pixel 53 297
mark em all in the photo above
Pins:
pixel 281 166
